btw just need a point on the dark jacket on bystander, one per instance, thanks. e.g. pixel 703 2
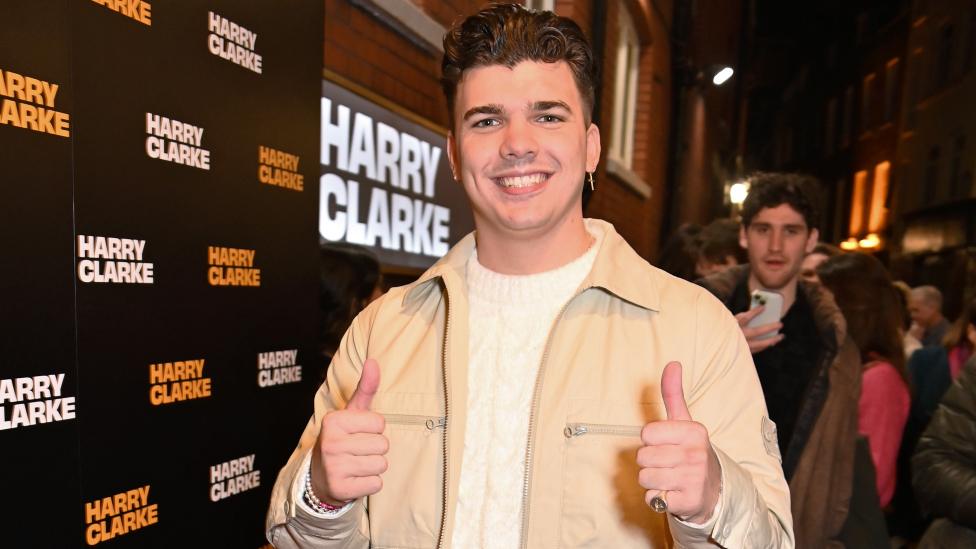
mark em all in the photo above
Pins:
pixel 944 465
pixel 820 453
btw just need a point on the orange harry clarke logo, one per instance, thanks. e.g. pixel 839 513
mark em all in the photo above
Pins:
pixel 232 267
pixel 118 515
pixel 28 103
pixel 171 382
pixel 279 169
pixel 138 10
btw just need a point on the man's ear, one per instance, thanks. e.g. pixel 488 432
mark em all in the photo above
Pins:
pixel 593 147
pixel 743 241
pixel 812 240
pixel 452 158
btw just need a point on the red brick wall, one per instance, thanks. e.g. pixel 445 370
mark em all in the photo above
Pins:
pixel 638 219
pixel 371 54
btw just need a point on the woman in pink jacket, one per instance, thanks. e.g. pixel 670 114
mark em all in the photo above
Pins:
pixel 865 294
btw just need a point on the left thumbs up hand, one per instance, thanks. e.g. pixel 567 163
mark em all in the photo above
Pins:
pixel 677 457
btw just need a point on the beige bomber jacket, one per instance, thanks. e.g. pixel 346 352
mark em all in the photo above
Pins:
pixel 598 384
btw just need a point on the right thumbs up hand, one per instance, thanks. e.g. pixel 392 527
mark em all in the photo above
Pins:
pixel 351 449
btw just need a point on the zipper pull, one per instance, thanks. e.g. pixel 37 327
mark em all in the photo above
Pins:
pixel 575 430
pixel 435 423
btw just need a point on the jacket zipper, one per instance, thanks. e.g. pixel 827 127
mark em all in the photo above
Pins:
pixel 574 430
pixel 429 422
pixel 529 447
pixel 447 327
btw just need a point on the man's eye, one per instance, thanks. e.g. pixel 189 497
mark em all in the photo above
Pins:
pixel 486 122
pixel 550 118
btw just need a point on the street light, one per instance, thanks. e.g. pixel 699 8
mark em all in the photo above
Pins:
pixel 722 76
pixel 738 192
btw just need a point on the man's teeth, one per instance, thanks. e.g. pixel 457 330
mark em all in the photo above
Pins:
pixel 522 180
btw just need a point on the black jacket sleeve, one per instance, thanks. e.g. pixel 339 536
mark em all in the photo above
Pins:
pixel 944 464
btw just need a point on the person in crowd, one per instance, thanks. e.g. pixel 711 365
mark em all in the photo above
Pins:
pixel 810 371
pixel 928 324
pixel 930 370
pixel 821 252
pixel 679 254
pixel 910 343
pixel 719 247
pixel 871 307
pixel 960 341
pixel 944 465
pixel 541 385
pixel 349 280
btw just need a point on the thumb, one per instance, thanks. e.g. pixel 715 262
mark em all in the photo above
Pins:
pixel 369 382
pixel 673 394
pixel 750 314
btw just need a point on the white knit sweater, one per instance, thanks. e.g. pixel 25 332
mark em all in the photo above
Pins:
pixel 510 320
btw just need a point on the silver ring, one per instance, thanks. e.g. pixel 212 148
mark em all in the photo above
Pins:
pixel 659 503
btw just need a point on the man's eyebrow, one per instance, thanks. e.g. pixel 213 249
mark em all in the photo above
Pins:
pixel 547 105
pixel 483 109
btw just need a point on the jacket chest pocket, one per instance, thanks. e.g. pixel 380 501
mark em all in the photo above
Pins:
pixel 406 513
pixel 602 502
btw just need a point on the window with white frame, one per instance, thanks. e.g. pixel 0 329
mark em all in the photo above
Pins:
pixel 625 90
pixel 545 5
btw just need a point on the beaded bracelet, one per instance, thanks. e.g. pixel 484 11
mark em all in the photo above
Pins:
pixel 314 501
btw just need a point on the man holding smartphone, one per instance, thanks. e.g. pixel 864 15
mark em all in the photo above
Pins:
pixel 810 369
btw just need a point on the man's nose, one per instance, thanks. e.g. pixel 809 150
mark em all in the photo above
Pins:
pixel 518 141
pixel 776 240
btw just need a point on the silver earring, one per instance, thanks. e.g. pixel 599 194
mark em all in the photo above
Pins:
pixel 590 175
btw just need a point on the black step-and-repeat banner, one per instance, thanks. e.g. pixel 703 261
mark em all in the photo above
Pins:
pixel 159 278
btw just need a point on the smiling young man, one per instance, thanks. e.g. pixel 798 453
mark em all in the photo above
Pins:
pixel 541 385
pixel 810 371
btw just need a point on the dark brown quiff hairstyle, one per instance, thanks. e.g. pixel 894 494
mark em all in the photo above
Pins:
pixel 507 34
pixel 869 300
pixel 771 189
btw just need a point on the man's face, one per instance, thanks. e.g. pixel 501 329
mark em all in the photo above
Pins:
pixel 808 269
pixel 777 240
pixel 520 147
pixel 922 312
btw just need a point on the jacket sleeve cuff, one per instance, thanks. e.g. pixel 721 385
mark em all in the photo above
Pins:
pixel 744 517
pixel 688 534
pixel 298 493
pixel 304 527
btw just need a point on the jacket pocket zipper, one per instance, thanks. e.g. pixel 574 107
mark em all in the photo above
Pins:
pixel 430 422
pixel 574 430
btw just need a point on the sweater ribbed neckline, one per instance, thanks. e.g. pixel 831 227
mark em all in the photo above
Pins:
pixel 544 287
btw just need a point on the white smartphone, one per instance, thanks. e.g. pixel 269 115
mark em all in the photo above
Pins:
pixel 773 303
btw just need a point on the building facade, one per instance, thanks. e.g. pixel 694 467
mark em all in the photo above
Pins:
pixel 936 202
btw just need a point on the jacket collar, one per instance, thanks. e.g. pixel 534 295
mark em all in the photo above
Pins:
pixel 617 269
